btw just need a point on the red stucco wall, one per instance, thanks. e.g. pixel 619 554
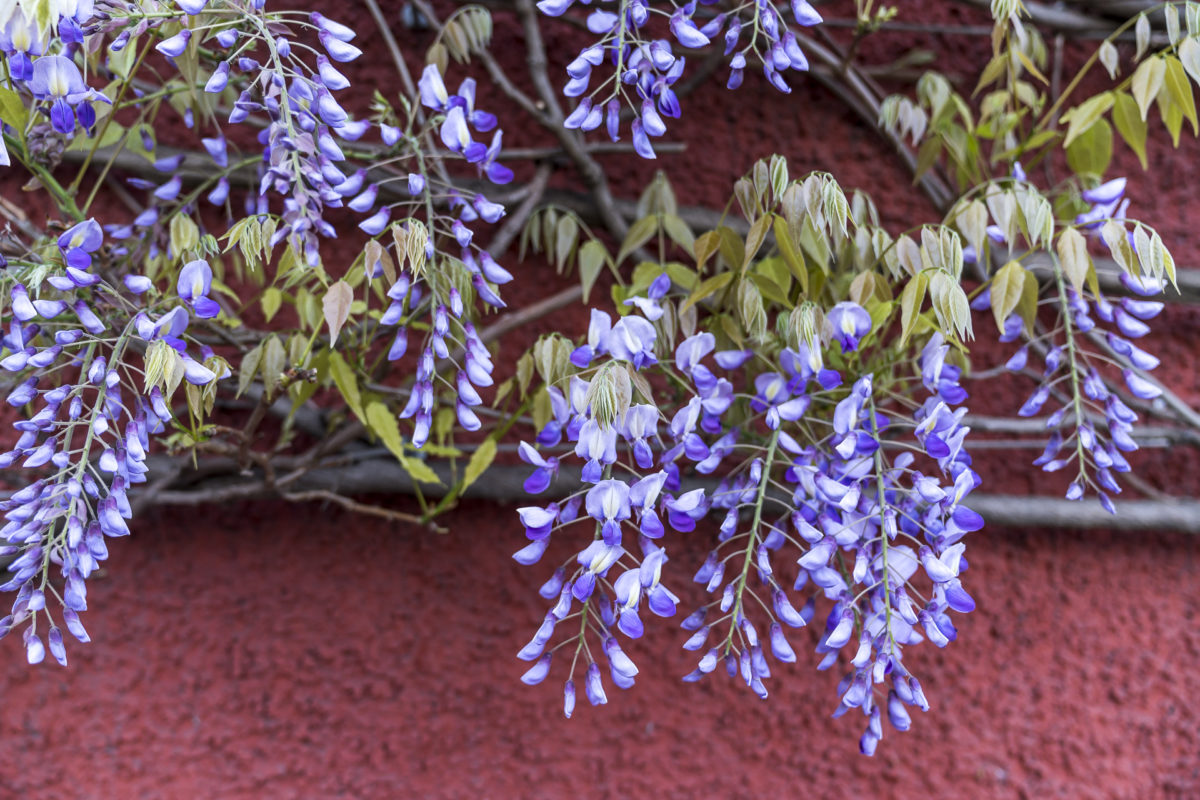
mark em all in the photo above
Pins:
pixel 274 651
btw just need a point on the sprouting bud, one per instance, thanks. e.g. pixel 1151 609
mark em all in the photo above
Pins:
pixel 610 394
pixel 806 326
pixel 751 311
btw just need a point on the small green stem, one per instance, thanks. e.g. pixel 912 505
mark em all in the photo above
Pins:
pixel 1073 360
pixel 758 508
pixel 881 500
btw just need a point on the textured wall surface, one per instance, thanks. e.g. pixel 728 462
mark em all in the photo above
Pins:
pixel 261 651
pixel 274 651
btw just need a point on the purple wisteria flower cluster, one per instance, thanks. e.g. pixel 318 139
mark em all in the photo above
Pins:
pixel 621 502
pixel 1092 427
pixel 92 412
pixel 802 477
pixel 645 68
pixel 283 86
pixel 91 304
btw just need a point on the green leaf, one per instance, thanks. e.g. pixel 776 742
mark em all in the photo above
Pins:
pixel 481 459
pixel 274 361
pixel 1074 258
pixel 113 134
pixel 910 304
pixel 679 231
pixel 592 258
pixel 681 276
pixel 732 248
pixel 706 245
pixel 1180 91
pixel 639 233
pixel 1146 83
pixel 707 288
pixel 754 240
pixel 1091 153
pixel 419 470
pixel 791 253
pixel 775 269
pixel 272 299
pixel 382 422
pixel 543 410
pixel 1027 306
pixel 1130 125
pixel 770 290
pixel 1007 285
pixel 250 364
pixel 566 233
pixel 1029 65
pixel 1172 116
pixel 1085 115
pixel 13 111
pixel 343 376
pixel 1114 235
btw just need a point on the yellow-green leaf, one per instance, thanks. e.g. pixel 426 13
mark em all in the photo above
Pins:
pixel 1007 284
pixel 272 299
pixel 250 363
pixel 382 422
pixel 706 244
pixel 419 470
pixel 1027 305
pixel 1073 255
pixel 274 361
pixel 1091 153
pixel 791 253
pixel 343 377
pixel 639 233
pixel 1180 89
pixel 1083 116
pixel 1146 83
pixel 13 111
pixel 910 304
pixel 481 459
pixel 754 239
pixel 566 233
pixel 732 248
pixel 592 257
pixel 679 231
pixel 708 287
pixel 1130 125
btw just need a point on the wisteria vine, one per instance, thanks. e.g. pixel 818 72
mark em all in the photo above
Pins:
pixel 791 383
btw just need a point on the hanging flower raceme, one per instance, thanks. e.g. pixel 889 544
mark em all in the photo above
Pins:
pixel 650 68
pixel 608 431
pixel 84 442
pixel 1092 426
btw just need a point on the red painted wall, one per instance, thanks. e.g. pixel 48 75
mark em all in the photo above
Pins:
pixel 268 650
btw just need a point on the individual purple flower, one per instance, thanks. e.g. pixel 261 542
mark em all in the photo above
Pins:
pixel 19 39
pixel 608 503
pixel 195 281
pixel 57 79
pixel 174 46
pixel 850 322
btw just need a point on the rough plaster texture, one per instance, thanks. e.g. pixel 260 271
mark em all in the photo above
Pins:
pixel 264 651
pixel 273 651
